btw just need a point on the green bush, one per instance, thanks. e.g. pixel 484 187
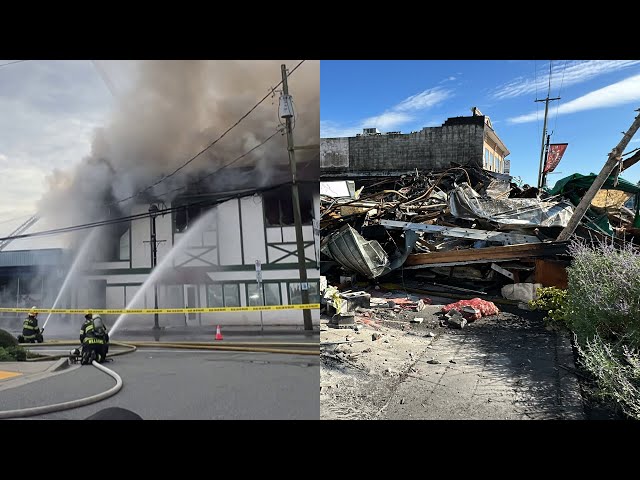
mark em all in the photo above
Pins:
pixel 603 310
pixel 13 354
pixel 604 293
pixel 554 301
pixel 7 340
pixel 617 373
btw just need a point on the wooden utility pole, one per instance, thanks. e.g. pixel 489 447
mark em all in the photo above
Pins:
pixel 614 158
pixel 544 134
pixel 302 267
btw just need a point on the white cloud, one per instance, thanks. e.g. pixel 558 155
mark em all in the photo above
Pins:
pixel 329 129
pixel 620 93
pixel 387 120
pixel 391 118
pixel 422 100
pixel 575 72
pixel 49 110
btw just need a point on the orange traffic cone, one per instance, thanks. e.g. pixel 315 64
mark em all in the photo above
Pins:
pixel 218 333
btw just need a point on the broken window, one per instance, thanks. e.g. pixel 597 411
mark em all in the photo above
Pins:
pixel 186 215
pixel 278 205
pixel 124 246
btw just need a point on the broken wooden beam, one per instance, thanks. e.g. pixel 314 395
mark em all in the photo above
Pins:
pixel 489 254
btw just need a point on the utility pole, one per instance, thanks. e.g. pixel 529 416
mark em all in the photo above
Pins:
pixel 544 133
pixel 308 324
pixel 544 127
pixel 546 156
pixel 153 211
pixel 615 157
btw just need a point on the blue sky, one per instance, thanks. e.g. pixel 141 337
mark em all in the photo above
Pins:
pixel 597 104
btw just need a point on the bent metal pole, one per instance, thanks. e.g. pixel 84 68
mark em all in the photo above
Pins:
pixel 614 158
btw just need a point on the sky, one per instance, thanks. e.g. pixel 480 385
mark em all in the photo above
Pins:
pixel 597 104
pixel 59 119
pixel 49 110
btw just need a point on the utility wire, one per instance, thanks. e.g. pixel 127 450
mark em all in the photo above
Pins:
pixel 555 122
pixel 535 81
pixel 11 63
pixel 209 202
pixel 218 169
pixel 210 145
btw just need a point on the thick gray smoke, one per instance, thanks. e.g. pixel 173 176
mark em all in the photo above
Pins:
pixel 175 109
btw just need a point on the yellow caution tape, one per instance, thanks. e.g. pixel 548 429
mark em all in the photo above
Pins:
pixel 136 311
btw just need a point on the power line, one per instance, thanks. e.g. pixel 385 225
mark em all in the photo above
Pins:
pixel 218 169
pixel 113 221
pixel 535 81
pixel 11 63
pixel 555 122
pixel 210 145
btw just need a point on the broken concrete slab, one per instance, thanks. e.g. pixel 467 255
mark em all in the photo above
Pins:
pixel 522 292
pixel 417 320
pixel 455 319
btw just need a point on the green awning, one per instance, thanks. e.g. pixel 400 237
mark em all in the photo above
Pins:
pixel 578 182
pixel 574 186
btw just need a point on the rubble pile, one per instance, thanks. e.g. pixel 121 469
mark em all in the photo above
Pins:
pixel 464 231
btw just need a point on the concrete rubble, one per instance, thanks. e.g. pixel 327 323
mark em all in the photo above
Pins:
pixel 407 259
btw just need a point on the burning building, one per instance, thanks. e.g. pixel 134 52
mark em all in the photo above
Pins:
pixel 209 233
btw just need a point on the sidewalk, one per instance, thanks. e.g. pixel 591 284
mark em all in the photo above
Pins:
pixel 15 374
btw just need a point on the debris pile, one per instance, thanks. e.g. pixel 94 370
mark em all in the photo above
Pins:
pixel 467 231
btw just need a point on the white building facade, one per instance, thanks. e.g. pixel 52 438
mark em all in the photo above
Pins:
pixel 206 257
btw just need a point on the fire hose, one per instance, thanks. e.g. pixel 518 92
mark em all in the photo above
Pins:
pixel 132 347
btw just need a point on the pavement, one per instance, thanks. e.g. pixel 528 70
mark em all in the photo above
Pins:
pixel 14 374
pixel 267 371
pixel 166 384
pixel 502 367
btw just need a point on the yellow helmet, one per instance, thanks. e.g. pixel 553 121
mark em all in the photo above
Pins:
pixel 33 311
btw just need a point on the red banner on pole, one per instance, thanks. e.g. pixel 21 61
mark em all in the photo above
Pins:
pixel 556 150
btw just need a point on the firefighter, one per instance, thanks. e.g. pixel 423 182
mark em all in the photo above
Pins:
pixel 31 333
pixel 95 339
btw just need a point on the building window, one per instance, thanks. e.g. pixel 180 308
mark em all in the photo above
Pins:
pixel 254 297
pixel 231 295
pixel 486 158
pixel 124 246
pixel 278 206
pixel 295 293
pixel 186 216
pixel 215 297
pixel 223 295
pixel 270 294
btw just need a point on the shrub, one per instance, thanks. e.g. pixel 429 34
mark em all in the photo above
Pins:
pixel 603 310
pixel 617 373
pixel 7 340
pixel 554 301
pixel 13 354
pixel 604 293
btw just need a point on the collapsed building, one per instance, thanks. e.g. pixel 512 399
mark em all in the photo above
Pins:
pixel 435 223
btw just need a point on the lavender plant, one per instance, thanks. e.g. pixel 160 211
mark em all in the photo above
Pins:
pixel 604 293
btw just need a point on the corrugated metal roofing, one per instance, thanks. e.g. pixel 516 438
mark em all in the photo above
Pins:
pixel 24 258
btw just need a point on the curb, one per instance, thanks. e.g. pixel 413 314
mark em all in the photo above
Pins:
pixel 61 364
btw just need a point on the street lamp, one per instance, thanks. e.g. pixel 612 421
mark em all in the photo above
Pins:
pixel 153 212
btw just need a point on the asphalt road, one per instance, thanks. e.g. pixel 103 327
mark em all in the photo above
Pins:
pixel 186 385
